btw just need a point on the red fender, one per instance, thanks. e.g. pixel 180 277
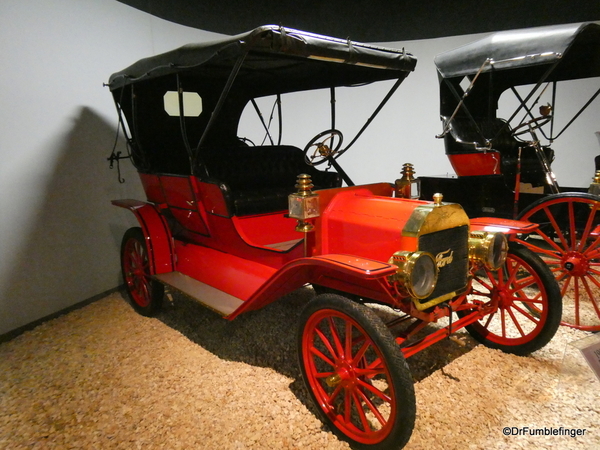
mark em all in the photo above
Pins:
pixel 157 233
pixel 506 226
pixel 365 276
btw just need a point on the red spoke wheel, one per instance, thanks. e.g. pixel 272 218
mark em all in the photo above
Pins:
pixel 569 243
pixel 356 373
pixel 145 294
pixel 523 301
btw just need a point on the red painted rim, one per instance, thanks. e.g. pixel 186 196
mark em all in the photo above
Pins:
pixel 348 376
pixel 573 256
pixel 136 271
pixel 522 302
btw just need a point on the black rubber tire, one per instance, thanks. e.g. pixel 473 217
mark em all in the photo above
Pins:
pixel 381 347
pixel 145 294
pixel 549 316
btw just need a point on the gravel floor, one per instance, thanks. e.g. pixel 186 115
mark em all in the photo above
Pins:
pixel 103 377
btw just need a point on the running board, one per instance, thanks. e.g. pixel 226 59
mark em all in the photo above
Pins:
pixel 211 297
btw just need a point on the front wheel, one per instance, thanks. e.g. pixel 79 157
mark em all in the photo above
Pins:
pixel 356 373
pixel 145 294
pixel 523 300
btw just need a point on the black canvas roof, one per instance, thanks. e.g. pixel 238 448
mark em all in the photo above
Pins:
pixel 575 46
pixel 276 60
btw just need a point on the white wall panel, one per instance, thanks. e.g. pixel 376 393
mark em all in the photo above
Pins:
pixel 59 234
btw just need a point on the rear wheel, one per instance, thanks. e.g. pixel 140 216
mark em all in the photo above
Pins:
pixel 145 294
pixel 356 373
pixel 524 303
pixel 568 242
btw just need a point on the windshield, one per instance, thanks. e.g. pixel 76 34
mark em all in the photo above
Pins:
pixel 304 114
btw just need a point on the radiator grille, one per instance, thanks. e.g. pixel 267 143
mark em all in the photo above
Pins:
pixel 454 243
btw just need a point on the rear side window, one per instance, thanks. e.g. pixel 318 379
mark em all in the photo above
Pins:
pixel 192 104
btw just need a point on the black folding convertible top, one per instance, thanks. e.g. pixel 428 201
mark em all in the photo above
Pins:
pixel 275 60
pixel 575 46
pixel 229 73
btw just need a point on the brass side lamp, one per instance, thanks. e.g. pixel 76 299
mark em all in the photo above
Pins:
pixel 303 204
pixel 408 186
pixel 595 184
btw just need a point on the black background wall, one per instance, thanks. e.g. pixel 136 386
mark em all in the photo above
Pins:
pixel 372 20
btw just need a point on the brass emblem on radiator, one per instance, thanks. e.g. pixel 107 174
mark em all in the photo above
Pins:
pixel 444 258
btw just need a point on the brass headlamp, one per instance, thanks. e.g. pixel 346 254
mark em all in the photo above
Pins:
pixel 488 248
pixel 416 275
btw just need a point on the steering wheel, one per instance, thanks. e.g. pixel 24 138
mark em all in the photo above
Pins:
pixel 533 124
pixel 322 151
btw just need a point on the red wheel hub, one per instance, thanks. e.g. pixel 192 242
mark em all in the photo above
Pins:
pixel 576 264
pixel 344 375
pixel 504 298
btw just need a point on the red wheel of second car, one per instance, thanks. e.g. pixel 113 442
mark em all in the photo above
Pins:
pixel 568 240
pixel 356 373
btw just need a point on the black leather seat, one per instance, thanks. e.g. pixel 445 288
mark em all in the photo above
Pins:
pixel 464 133
pixel 256 180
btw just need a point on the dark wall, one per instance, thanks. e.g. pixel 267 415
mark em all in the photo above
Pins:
pixel 373 20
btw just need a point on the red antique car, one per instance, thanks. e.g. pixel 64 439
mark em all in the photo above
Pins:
pixel 236 224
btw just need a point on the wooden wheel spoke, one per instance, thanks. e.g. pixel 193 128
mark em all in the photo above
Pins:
pixel 348 341
pixel 489 286
pixel 336 338
pixel 489 319
pixel 347 405
pixel 590 295
pixel 145 287
pixel 588 227
pixel 566 285
pixel 549 241
pixel 554 254
pixel 323 374
pixel 361 413
pixel 556 228
pixel 560 274
pixel 594 279
pixel 370 372
pixel 360 353
pixel 331 398
pixel 520 296
pixel 515 321
pixel 315 351
pixel 511 268
pixel 375 391
pixel 526 314
pixel 326 342
pixel 371 407
pixel 572 228
pixel 576 299
pixel 593 249
pixel 523 283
